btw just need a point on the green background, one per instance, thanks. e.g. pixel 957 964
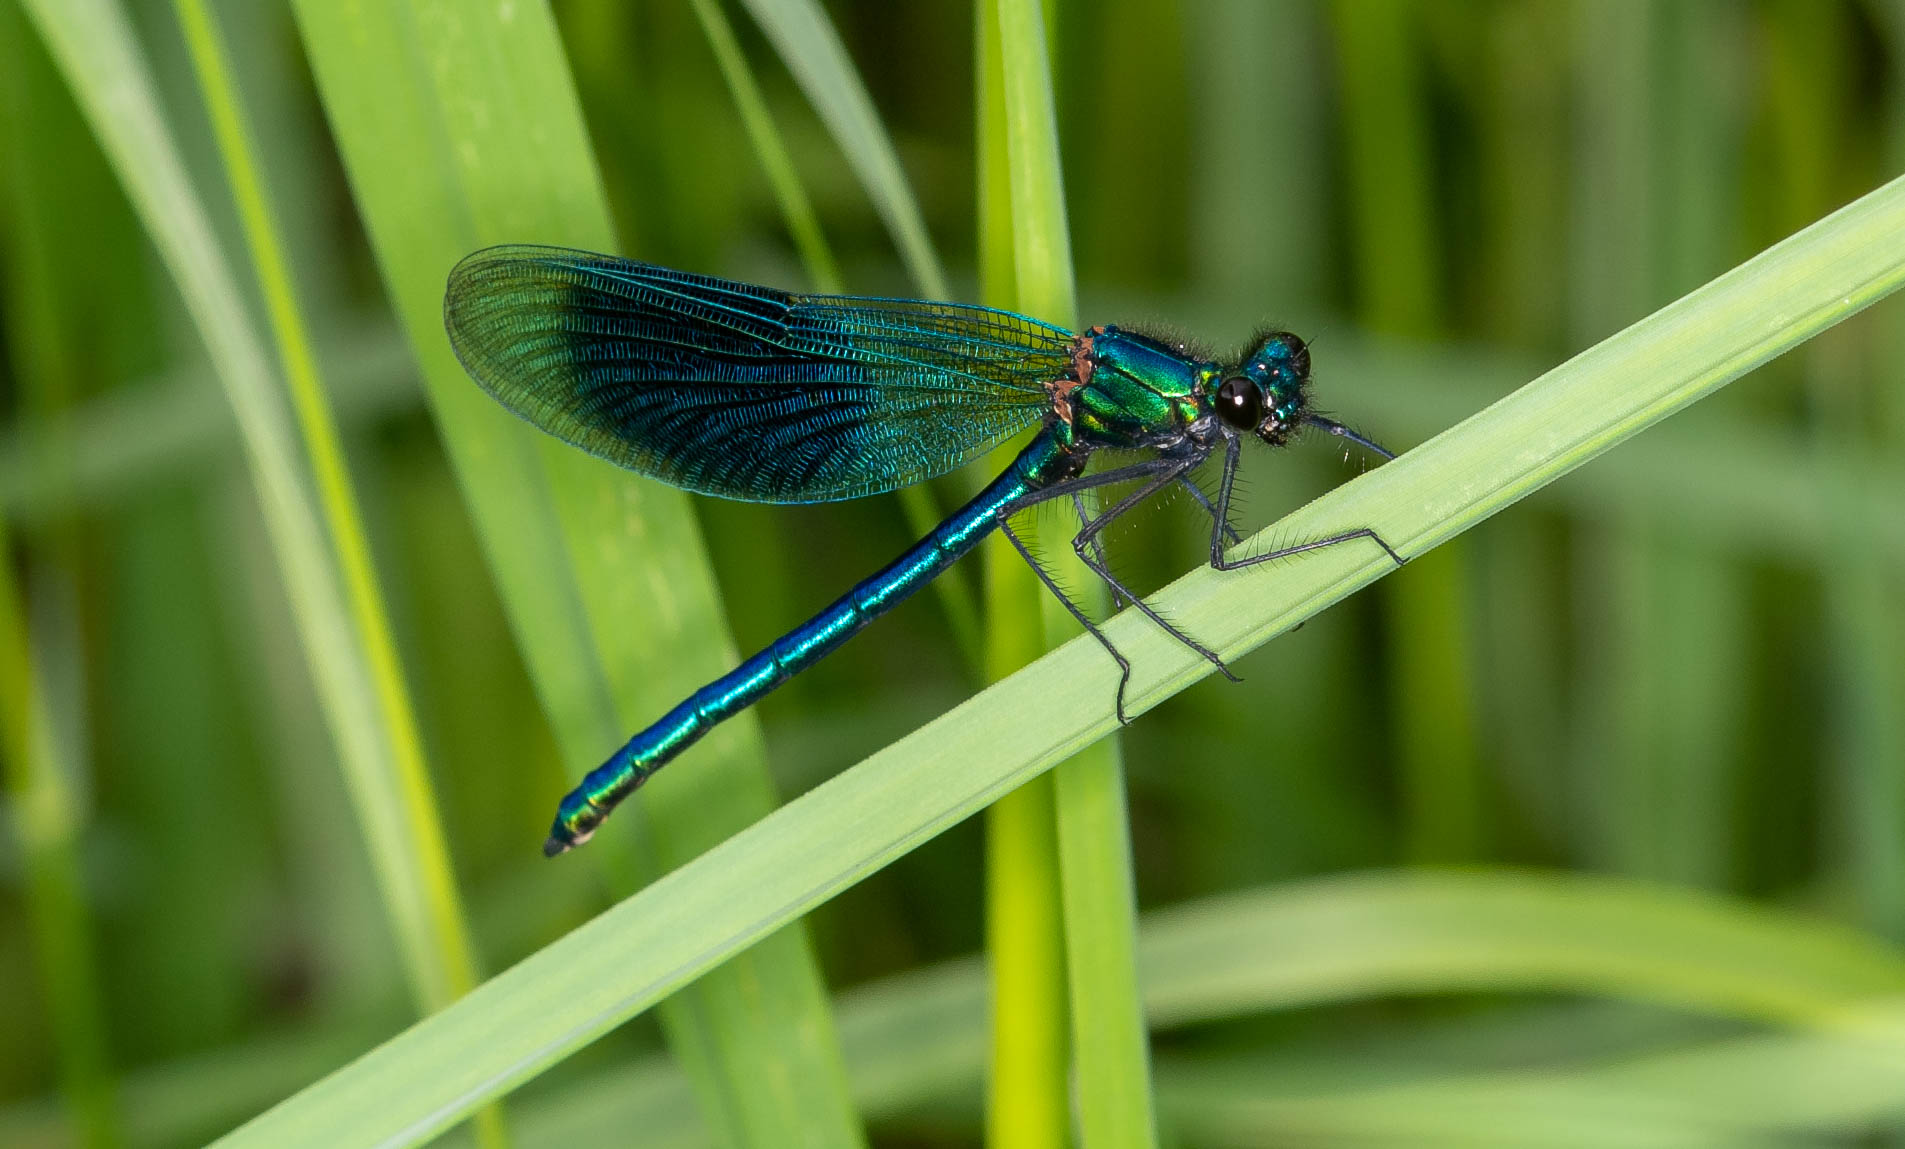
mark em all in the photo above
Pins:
pixel 1682 665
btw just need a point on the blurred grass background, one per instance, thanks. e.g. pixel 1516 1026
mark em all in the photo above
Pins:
pixel 1684 664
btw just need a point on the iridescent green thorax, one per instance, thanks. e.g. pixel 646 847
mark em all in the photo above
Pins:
pixel 1132 388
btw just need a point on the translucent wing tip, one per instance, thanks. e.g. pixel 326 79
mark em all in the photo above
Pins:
pixel 497 279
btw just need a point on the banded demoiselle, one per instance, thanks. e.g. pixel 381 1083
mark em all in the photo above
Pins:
pixel 773 396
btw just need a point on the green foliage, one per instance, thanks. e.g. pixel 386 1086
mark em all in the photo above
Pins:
pixel 603 581
pixel 228 884
pixel 755 882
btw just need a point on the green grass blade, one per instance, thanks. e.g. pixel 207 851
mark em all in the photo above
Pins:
pixel 1027 1102
pixel 96 52
pixel 1109 1045
pixel 455 967
pixel 461 129
pixel 757 881
pixel 1026 1087
pixel 1771 1091
pixel 807 42
pixel 997 277
pixel 452 967
pixel 1041 237
pixel 1435 931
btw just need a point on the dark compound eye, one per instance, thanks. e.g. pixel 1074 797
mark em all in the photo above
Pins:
pixel 1288 354
pixel 1239 403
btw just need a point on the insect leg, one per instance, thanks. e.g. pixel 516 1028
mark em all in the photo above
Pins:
pixel 1203 500
pixel 1082 544
pixel 1097 544
pixel 1148 469
pixel 1313 545
pixel 1124 664
pixel 1220 520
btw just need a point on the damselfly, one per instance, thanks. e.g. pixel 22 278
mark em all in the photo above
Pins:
pixel 752 393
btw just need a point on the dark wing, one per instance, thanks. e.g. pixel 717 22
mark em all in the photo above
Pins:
pixel 744 391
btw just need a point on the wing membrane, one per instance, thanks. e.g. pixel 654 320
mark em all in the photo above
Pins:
pixel 742 391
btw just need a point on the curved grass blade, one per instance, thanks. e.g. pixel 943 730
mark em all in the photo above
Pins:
pixel 459 129
pixel 622 962
pixel 806 40
pixel 1772 1091
pixel 796 210
pixel 918 1039
pixel 919 1036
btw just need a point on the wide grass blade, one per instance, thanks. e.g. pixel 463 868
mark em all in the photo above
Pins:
pixel 1765 1090
pixel 456 968
pixel 458 129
